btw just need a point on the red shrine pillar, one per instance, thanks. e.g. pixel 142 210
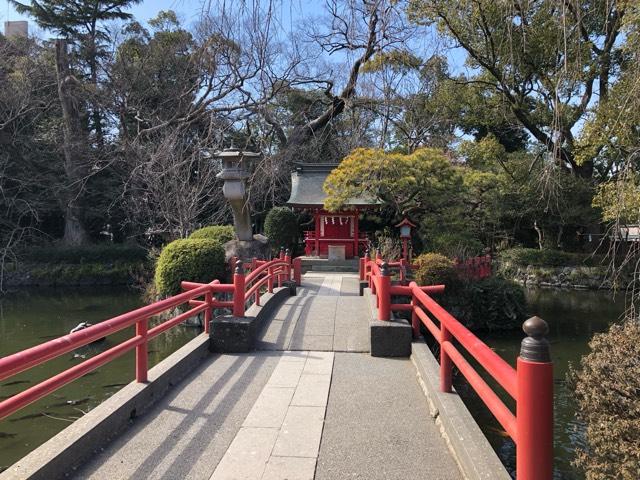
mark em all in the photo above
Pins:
pixel 317 215
pixel 356 234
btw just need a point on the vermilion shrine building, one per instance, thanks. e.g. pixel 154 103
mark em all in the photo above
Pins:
pixel 337 234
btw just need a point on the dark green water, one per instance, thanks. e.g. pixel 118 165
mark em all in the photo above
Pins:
pixel 28 318
pixel 573 318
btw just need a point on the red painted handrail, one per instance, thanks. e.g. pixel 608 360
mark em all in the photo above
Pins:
pixel 530 384
pixel 279 270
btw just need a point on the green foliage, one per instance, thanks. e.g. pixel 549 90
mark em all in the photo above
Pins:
pixel 523 257
pixel 408 182
pixel 194 260
pixel 494 303
pixel 218 233
pixel 83 274
pixel 619 199
pixel 73 19
pixel 281 226
pixel 401 60
pixel 607 390
pixel 93 254
pixel 485 154
pixel 514 55
pixel 456 244
pixel 434 269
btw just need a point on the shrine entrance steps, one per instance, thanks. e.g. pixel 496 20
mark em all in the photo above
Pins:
pixel 315 264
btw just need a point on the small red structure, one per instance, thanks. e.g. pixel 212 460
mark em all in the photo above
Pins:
pixel 336 234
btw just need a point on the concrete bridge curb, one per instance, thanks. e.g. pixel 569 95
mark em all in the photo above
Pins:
pixel 470 448
pixel 73 446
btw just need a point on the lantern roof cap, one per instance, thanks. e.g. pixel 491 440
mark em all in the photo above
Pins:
pixel 235 152
pixel 405 221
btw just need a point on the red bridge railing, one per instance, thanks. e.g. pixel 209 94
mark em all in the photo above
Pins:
pixel 474 268
pixel 199 297
pixel 530 384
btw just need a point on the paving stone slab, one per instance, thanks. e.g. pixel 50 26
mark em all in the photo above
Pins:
pixel 300 433
pixel 312 391
pixel 286 374
pixel 290 468
pixel 247 456
pixel 270 408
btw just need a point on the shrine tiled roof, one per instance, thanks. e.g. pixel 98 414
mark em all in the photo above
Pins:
pixel 306 187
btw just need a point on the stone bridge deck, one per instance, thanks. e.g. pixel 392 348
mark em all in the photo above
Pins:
pixel 311 404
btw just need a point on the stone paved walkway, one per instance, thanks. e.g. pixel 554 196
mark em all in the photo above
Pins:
pixel 326 315
pixel 280 437
pixel 291 411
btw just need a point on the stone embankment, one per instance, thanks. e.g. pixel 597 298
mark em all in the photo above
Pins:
pixel 574 277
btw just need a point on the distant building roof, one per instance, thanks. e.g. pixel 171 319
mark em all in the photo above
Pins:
pixel 17 28
pixel 306 187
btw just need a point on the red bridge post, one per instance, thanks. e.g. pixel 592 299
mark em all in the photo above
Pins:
pixel 534 408
pixel 446 366
pixel 208 313
pixel 384 292
pixel 270 279
pixel 238 290
pixel 287 270
pixel 142 357
pixel 415 321
pixel 297 270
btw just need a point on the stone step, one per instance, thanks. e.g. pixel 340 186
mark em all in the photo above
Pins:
pixel 333 268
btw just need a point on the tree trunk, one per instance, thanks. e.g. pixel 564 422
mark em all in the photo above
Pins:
pixel 540 235
pixel 74 148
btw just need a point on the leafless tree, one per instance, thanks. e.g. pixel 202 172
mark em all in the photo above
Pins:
pixel 173 186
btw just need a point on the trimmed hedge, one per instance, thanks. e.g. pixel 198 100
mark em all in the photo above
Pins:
pixel 99 253
pixel 219 233
pixel 195 260
pixel 524 257
pixel 281 226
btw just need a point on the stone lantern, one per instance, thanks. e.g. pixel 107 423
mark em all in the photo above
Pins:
pixel 236 168
pixel 405 227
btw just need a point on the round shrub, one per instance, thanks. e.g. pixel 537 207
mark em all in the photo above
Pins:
pixel 219 233
pixel 607 390
pixel 434 268
pixel 281 226
pixel 195 260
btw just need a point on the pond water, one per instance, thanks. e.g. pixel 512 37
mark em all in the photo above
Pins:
pixel 28 318
pixel 573 317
